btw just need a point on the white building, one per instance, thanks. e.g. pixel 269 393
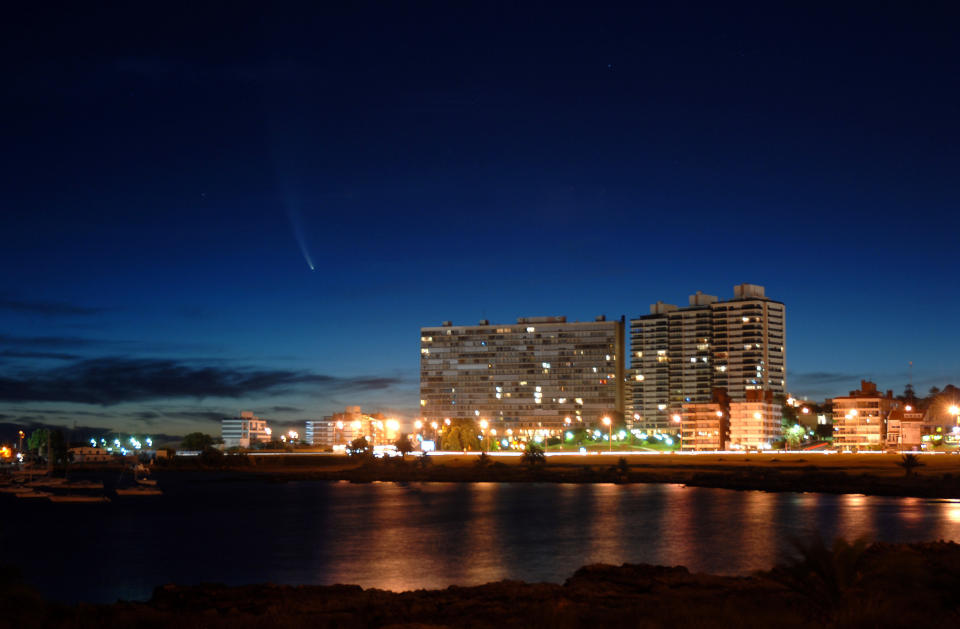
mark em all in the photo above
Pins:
pixel 244 431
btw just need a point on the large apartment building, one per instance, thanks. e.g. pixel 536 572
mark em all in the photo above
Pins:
pixel 537 375
pixel 679 355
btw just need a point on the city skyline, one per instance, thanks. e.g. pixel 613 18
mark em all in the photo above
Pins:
pixel 265 224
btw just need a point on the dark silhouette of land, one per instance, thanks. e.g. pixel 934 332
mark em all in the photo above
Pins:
pixel 839 585
pixel 933 476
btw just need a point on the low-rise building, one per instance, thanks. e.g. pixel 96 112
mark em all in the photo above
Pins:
pixel 87 454
pixel 860 419
pixel 352 423
pixel 755 422
pixel 244 431
pixel 905 428
pixel 706 425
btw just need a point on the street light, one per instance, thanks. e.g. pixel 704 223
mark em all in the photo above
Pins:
pixel 677 420
pixel 609 424
pixel 483 432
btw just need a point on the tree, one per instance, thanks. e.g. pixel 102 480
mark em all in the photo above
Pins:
pixel 38 440
pixel 533 455
pixel 793 435
pixel 403 445
pixel 360 447
pixel 621 470
pixel 908 393
pixel 462 435
pixel 909 463
pixel 196 441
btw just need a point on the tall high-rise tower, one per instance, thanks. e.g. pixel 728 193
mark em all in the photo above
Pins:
pixel 679 355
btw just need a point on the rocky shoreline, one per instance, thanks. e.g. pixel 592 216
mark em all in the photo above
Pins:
pixel 846 585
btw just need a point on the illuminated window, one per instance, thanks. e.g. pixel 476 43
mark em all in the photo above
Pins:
pixel 639 377
pixel 531 329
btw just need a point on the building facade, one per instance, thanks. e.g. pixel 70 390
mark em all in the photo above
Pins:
pixel 860 419
pixel 244 431
pixel 705 425
pixel 679 355
pixel 529 376
pixel 755 422
pixel 905 427
pixel 352 423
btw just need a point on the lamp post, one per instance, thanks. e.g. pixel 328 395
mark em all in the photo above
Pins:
pixel 483 433
pixel 955 411
pixel 20 447
pixel 609 424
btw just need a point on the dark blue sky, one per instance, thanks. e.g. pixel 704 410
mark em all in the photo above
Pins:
pixel 168 172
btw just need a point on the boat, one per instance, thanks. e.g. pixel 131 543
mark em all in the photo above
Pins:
pixel 83 484
pixel 78 498
pixel 139 491
pixel 32 493
pixel 47 482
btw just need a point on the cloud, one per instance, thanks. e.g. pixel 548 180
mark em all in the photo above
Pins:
pixel 49 341
pixel 47 308
pixel 820 378
pixel 13 353
pixel 113 380
pixel 285 409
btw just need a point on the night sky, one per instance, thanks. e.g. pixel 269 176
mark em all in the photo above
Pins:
pixel 226 207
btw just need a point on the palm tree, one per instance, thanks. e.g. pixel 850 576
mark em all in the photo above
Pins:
pixel 824 576
pixel 909 463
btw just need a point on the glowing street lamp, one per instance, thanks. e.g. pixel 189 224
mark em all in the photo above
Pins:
pixel 483 432
pixel 609 424
pixel 677 420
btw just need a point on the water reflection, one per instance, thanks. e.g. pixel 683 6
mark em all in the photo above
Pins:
pixel 399 536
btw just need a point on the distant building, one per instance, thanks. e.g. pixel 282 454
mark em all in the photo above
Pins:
pixel 87 454
pixel 755 422
pixel 860 419
pixel 342 428
pixel 244 431
pixel 535 376
pixel 679 355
